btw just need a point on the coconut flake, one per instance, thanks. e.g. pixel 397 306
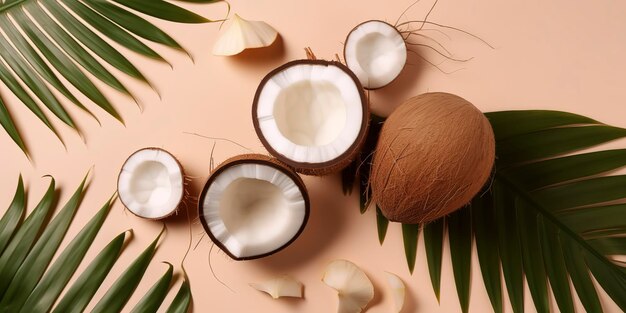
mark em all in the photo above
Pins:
pixel 376 52
pixel 243 34
pixel 283 286
pixel 354 288
pixel 150 183
pixel 398 290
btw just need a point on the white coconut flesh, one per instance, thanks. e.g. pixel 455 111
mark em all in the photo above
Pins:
pixel 376 52
pixel 150 183
pixel 310 113
pixel 253 209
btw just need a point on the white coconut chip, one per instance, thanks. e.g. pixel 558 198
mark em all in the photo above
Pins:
pixel 310 113
pixel 253 209
pixel 150 183
pixel 354 288
pixel 283 286
pixel 242 34
pixel 376 52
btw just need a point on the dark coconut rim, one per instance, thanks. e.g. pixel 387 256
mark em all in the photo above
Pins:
pixel 182 195
pixel 399 33
pixel 326 167
pixel 254 159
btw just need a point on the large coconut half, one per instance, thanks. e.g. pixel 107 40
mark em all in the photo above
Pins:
pixel 253 206
pixel 311 115
pixel 151 183
pixel 376 52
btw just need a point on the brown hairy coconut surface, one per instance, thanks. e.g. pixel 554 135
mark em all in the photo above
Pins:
pixel 434 154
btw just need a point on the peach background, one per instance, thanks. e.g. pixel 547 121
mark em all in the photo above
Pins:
pixel 549 54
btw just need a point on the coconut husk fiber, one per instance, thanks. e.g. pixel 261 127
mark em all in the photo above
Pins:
pixel 435 153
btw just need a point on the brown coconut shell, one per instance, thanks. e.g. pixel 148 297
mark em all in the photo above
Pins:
pixel 348 38
pixel 182 172
pixel 321 168
pixel 253 159
pixel 435 153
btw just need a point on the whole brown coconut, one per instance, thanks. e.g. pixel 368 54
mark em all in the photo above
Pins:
pixel 434 154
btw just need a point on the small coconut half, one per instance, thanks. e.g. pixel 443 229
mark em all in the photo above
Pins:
pixel 151 183
pixel 311 115
pixel 242 34
pixel 253 206
pixel 376 52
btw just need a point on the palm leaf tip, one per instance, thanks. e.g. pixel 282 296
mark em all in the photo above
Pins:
pixel 410 234
pixel 433 242
pixel 382 223
pixel 152 300
pixel 460 237
pixel 182 300
pixel 13 216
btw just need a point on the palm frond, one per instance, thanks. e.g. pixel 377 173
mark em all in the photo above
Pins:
pixel 30 283
pixel 69 36
pixel 551 214
pixel 153 299
pixel 182 300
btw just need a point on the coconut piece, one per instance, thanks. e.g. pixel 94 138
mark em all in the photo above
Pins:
pixel 435 153
pixel 242 34
pixel 354 288
pixel 253 206
pixel 283 286
pixel 312 115
pixel 151 183
pixel 376 52
pixel 398 290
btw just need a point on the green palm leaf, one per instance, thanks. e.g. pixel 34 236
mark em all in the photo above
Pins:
pixel 551 214
pixel 35 264
pixel 22 242
pixel 13 216
pixel 460 232
pixel 117 296
pixel 152 300
pixel 410 237
pixel 433 243
pixel 38 35
pixel 484 227
pixel 182 300
pixel 382 223
pixel 56 277
pixel 85 287
pixel 29 283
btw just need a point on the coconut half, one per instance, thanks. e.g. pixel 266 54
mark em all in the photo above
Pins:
pixel 151 183
pixel 253 206
pixel 311 115
pixel 376 52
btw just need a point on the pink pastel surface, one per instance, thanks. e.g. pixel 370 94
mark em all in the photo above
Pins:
pixel 560 55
